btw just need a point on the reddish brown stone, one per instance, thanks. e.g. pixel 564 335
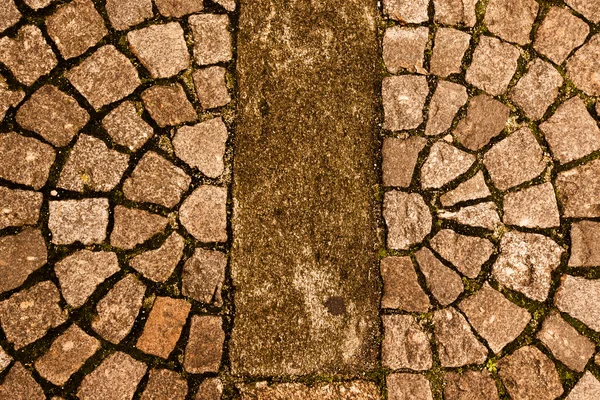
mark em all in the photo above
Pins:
pixel 448 51
pixel 407 217
pixel 589 8
pixel 403 100
pixel 578 190
pixel 486 118
pixel 165 385
pixel 457 345
pixel 401 289
pixel 537 89
pixel 8 97
pixel 178 8
pixel 579 297
pixel 455 12
pixel 126 127
pixel 466 253
pixel 444 164
pixel 204 214
pixel 25 160
pixel 471 189
pixel 210 389
pixel 133 226
pixel 211 87
pixel 470 385
pixel 9 14
pixel 585 248
pixel 404 48
pixel 446 101
pixel 444 283
pixel 203 276
pixel 511 20
pixel 493 66
pixel 124 14
pixel 482 215
pixel 587 388
pixel 159 264
pixel 20 385
pixel 212 40
pixel 168 105
pixel 414 11
pixel 405 344
pixel 205 346
pixel 408 386
pixel 532 207
pixel 399 159
pixel 582 67
pixel 20 255
pixel 83 220
pixel 559 34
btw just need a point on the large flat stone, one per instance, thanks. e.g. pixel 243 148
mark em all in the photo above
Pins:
pixel 354 390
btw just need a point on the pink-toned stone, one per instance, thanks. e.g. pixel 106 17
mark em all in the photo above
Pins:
pixel 82 221
pixel 471 189
pixel 205 346
pixel 178 8
pixel 579 297
pixel 486 118
pixel 446 101
pixel 203 276
pixel 448 51
pixel 133 226
pixel 466 253
pixel 168 105
pixel 403 101
pixel 126 127
pixel 159 264
pixel 590 9
pixel 25 160
pixel 413 11
pixel 583 66
pixel 212 40
pixel 401 289
pixel 578 190
pixel 537 89
pixel 404 386
pixel 585 248
pixel 482 215
pixel 532 207
pixel 405 344
pixel 124 14
pixel 8 97
pixel 511 20
pixel 470 385
pixel 210 389
pixel 211 87
pixel 399 159
pixel 20 385
pixel 457 345
pixel 444 283
pixel 493 66
pixel 407 217
pixel 404 48
pixel 559 34
pixel 204 214
pixel 444 164
pixel 587 388
pixel 164 384
pixel 455 12
pixel 20 255
pixel 9 14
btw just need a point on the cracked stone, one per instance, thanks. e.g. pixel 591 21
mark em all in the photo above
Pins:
pixel 486 118
pixel 8 98
pixel 532 207
pixel 559 34
pixel 25 160
pixel 78 220
pixel 588 387
pixel 104 77
pixel 403 101
pixel 528 374
pixel 205 346
pixel 511 20
pixel 28 56
pixel 134 226
pixel 52 114
pixel 526 262
pixel 493 66
pixel 585 249
pixel 159 264
pixel 66 355
pixel 212 40
pixel 178 8
pixel 571 132
pixel 203 276
pixel 211 87
pixel 583 66
pixel 126 127
pixel 444 164
pixel 20 385
pixel 399 159
pixel 444 283
pixel 401 289
pixel 407 217
pixel 408 387
pixel 124 14
pixel 482 215
pixel 457 345
pixel 449 48
pixel 164 384
pixel 92 165
pixel 19 207
pixel 204 214
pixel 9 14
pixel 118 310
pixel 404 48
pixel 163 327
pixel 537 89
pixel 565 343
pixel 405 344
pixel 26 316
pixel 116 378
pixel 579 190
pixel 210 389
pixel 202 146
pixel 579 297
pixel 494 317
pixel 446 101
pixel 412 12
pixel 590 9
pixel 156 180
pixel 470 385
pixel 455 12
pixel 466 253
pixel 514 160
pixel 20 255
pixel 472 189
pixel 80 274
pixel 161 49
pixel 75 27
pixel 168 105
pixel 5 359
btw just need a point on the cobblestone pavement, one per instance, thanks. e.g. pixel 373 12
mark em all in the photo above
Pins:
pixel 118 120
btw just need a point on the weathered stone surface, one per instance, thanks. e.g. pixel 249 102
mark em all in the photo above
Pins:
pixel 588 387
pixel 486 118
pixel 27 315
pixel 353 390
pixel 585 249
pixel 178 8
pixel 466 253
pixel 159 264
pixel 407 217
pixel 75 27
pixel 567 345
pixel 156 180
pixel 512 20
pixel 205 345
pixel 445 103
pixel 202 146
pixel 133 226
pixel 559 34
pixel 494 317
pixel 28 56
pixel 211 389
pixel 9 14
pixel 204 214
pixel 168 105
pixel 404 48
pixel 448 51
pixel 515 159
pixel 444 164
pixel 25 160
pixel 482 215
pixel 414 11
pixel 20 385
pixel 528 374
pixel 455 12
pixel 118 310
pixel 228 5
pixel 104 77
pixel 401 289
pixel 20 255
pixel 493 66
pixel 83 220
pixel 211 87
pixel 52 114
pixel 470 385
pixel 164 384
pixel 588 8
pixel 399 159
pixel 582 67
pixel 408 386
pixel 403 100
pixel 126 127
pixel 457 345
pixel 116 378
pixel 537 89
pixel 405 344
pixel 579 297
pixel 161 49
pixel 163 327
pixel 8 97
pixel 66 355
pixel 212 40
pixel 126 13
pixel 5 359
pixel 471 189
pixel 571 132
pixel 444 283
pixel 92 165
pixel 37 4
pixel 578 190
pixel 532 207
pixel 203 276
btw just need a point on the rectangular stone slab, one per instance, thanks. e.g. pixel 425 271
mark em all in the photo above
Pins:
pixel 304 260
